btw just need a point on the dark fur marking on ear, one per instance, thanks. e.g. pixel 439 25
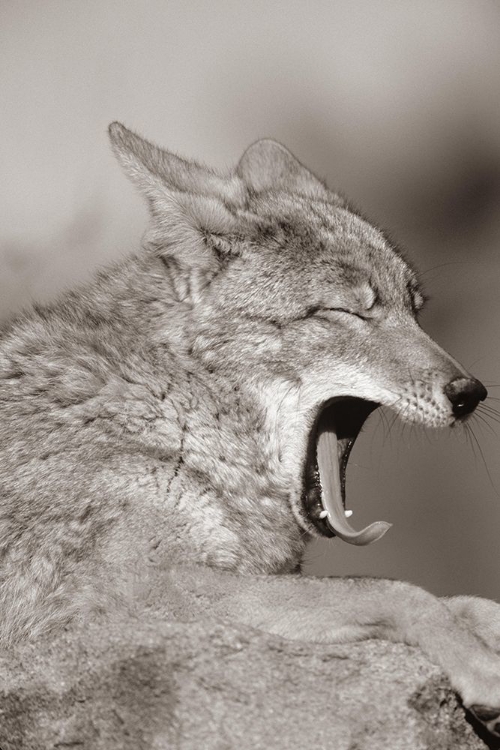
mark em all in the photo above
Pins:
pixel 222 247
pixel 221 256
pixel 253 318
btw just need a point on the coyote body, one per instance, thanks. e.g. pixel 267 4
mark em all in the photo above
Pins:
pixel 159 425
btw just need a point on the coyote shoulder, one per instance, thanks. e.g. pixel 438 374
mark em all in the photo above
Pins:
pixel 179 428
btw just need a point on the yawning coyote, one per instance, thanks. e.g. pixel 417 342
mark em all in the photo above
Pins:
pixel 179 428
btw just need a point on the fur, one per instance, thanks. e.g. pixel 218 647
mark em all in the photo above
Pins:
pixel 155 421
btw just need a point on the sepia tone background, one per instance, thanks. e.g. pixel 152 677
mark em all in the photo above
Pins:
pixel 395 102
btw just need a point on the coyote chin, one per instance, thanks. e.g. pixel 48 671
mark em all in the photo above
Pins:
pixel 183 423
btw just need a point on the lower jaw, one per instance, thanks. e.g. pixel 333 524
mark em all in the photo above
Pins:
pixel 349 415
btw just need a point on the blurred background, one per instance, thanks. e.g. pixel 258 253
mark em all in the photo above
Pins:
pixel 395 102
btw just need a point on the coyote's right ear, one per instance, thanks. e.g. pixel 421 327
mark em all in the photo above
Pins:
pixel 191 224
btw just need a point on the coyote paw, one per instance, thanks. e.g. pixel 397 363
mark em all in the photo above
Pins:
pixel 489 717
pixel 479 616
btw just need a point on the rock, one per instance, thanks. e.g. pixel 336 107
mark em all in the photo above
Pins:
pixel 210 686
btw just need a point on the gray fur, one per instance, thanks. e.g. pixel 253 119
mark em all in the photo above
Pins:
pixel 157 418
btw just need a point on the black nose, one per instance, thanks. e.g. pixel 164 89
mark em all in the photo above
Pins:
pixel 465 394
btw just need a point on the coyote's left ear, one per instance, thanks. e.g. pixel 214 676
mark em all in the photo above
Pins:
pixel 191 225
pixel 267 164
pixel 155 170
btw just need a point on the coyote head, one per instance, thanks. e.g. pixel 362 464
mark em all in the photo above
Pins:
pixel 290 292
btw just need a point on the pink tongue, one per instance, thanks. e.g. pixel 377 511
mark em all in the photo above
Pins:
pixel 328 464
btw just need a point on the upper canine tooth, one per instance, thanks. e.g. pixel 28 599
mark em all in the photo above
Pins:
pixel 348 513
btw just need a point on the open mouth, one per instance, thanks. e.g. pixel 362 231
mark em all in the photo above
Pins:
pixel 332 437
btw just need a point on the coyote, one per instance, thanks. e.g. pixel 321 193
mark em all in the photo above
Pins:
pixel 176 430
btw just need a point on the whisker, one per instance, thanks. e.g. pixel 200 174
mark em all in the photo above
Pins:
pixel 382 423
pixel 474 440
pixel 491 417
pixel 393 420
pixel 487 403
pixel 442 265
pixel 484 420
pixel 490 406
pixel 468 439
pixel 490 413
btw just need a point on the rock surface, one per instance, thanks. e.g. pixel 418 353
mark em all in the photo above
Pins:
pixel 209 686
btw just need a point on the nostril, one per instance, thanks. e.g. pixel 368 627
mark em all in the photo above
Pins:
pixel 465 394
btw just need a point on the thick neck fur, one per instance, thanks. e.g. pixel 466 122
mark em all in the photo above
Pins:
pixel 108 378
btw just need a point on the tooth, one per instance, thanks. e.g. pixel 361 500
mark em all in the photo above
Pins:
pixel 328 464
pixel 348 513
pixel 323 514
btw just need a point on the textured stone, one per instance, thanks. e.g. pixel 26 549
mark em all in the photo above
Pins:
pixel 209 686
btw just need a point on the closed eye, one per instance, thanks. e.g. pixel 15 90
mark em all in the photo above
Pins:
pixel 317 310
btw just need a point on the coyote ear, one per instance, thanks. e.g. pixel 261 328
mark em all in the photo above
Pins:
pixel 191 227
pixel 267 164
pixel 155 170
